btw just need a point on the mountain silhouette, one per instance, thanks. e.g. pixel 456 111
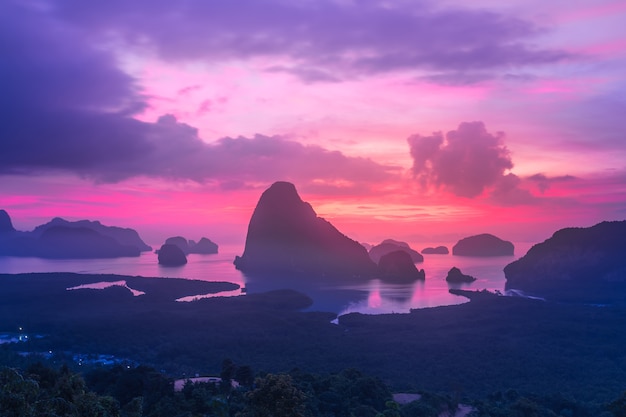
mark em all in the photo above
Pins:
pixel 60 242
pixel 62 239
pixel 588 264
pixel 123 236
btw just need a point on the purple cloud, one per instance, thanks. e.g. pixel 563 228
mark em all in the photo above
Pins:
pixel 177 152
pixel 172 150
pixel 64 103
pixel 50 65
pixel 465 162
pixel 323 40
pixel 507 191
pixel 67 107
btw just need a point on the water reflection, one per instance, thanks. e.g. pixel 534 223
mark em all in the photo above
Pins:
pixel 107 284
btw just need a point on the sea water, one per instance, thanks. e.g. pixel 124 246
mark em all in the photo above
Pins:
pixel 370 297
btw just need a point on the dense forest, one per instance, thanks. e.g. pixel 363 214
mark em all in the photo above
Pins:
pixel 117 391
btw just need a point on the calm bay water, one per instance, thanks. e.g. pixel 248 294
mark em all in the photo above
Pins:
pixel 373 297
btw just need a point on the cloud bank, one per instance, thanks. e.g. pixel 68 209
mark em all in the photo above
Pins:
pixel 66 106
pixel 322 40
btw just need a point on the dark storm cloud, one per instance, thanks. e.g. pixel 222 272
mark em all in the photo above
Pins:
pixel 323 39
pixel 66 106
pixel 465 162
pixel 47 64
pixel 63 104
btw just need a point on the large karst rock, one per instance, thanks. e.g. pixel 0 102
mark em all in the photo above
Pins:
pixel 390 245
pixel 586 264
pixel 286 235
pixel 483 245
pixel 398 267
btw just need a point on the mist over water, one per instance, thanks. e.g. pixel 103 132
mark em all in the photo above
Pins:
pixel 372 297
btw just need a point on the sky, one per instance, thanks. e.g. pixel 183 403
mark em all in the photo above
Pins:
pixel 418 120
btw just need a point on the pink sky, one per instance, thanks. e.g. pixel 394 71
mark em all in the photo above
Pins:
pixel 419 121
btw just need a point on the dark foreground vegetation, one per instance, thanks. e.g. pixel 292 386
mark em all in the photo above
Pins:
pixel 40 390
pixel 505 356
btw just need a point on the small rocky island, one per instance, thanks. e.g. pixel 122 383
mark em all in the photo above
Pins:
pixel 455 276
pixel 203 247
pixel 285 235
pixel 171 255
pixel 483 245
pixel 439 250
pixel 575 264
pixel 398 267
pixel 390 245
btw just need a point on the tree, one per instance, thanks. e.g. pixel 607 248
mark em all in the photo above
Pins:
pixel 275 396
pixel 17 394
pixel 228 372
pixel 244 376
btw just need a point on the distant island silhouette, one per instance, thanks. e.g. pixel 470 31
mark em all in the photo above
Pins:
pixel 62 239
pixel 285 235
pixel 204 246
pixel 439 250
pixel 391 245
pixel 483 245
pixel 124 236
